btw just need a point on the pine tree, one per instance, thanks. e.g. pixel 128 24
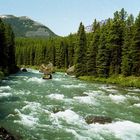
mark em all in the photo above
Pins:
pixel 103 55
pixel 136 48
pixel 115 41
pixel 127 49
pixel 70 50
pixel 93 49
pixel 80 60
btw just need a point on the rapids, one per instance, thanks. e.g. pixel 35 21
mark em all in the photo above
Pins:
pixel 27 103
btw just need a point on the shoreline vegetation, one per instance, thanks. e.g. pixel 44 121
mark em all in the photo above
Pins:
pixel 108 54
pixel 120 80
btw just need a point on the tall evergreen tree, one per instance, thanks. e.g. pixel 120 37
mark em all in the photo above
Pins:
pixel 127 50
pixel 115 41
pixel 103 55
pixel 80 60
pixel 136 48
pixel 93 49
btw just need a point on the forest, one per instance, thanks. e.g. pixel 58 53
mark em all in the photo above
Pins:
pixel 112 48
pixel 7 50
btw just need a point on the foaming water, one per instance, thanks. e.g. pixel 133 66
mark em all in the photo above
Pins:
pixel 36 80
pixel 86 100
pixel 33 71
pixel 26 120
pixel 56 109
pixel 5 87
pixel 4 94
pixel 117 98
pixel 137 105
pixel 56 96
pixel 68 115
pixel 74 86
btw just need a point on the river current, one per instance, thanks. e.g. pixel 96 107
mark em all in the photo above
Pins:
pixel 29 104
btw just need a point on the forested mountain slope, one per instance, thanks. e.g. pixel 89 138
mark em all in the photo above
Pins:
pixel 26 27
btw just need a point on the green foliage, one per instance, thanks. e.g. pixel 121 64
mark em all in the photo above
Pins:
pixel 30 51
pixel 80 56
pixel 107 54
pixel 136 48
pixel 103 54
pixel 7 49
pixel 130 81
pixel 93 49
pixel 127 50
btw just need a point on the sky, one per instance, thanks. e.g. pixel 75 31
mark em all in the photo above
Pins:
pixel 64 16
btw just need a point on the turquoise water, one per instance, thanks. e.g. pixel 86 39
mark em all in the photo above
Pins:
pixel 27 104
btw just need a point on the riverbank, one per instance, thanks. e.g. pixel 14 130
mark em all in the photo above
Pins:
pixel 38 67
pixel 1 75
pixel 130 81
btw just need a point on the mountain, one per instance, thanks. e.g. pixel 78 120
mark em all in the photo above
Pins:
pixel 25 27
pixel 90 29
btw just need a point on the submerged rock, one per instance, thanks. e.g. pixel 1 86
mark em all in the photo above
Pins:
pixel 5 135
pixel 83 94
pixel 47 76
pixel 57 109
pixel 24 69
pixel 98 119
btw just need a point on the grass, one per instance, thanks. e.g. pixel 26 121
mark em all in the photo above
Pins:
pixel 130 81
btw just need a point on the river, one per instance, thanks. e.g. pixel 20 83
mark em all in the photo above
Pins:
pixel 28 104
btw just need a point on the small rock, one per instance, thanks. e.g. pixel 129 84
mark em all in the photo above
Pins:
pixel 24 70
pixel 57 109
pixel 47 76
pixel 98 119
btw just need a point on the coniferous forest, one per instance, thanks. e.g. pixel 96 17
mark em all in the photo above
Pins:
pixel 7 50
pixel 111 48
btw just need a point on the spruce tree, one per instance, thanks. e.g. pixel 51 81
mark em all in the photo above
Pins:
pixel 80 60
pixel 93 49
pixel 127 50
pixel 136 48
pixel 103 55
pixel 115 41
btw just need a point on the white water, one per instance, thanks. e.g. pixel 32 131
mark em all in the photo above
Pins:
pixel 27 106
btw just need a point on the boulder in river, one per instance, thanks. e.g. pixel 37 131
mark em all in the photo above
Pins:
pixel 47 69
pixel 71 70
pixel 5 135
pixel 98 119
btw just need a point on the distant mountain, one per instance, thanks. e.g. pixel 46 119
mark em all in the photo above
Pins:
pixel 90 29
pixel 26 27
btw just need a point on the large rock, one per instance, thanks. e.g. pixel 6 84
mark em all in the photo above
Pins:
pixel 49 69
pixel 98 119
pixel 71 70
